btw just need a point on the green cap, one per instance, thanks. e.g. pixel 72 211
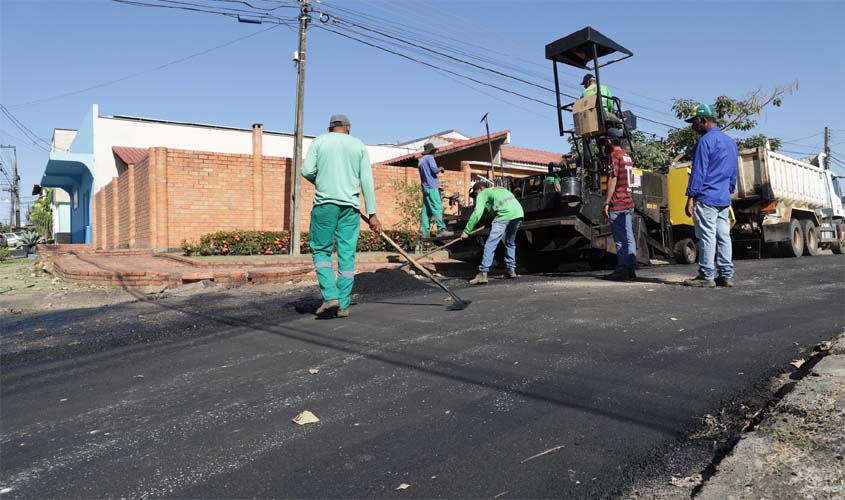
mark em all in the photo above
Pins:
pixel 702 110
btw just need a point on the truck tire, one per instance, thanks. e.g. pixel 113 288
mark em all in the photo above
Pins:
pixel 794 247
pixel 839 245
pixel 686 251
pixel 774 250
pixel 811 238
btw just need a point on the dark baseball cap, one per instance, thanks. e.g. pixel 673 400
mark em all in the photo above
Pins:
pixel 587 78
pixel 478 184
pixel 338 120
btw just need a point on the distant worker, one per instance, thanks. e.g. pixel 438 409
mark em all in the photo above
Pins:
pixel 432 204
pixel 711 182
pixel 507 217
pixel 619 207
pixel 589 83
pixel 339 167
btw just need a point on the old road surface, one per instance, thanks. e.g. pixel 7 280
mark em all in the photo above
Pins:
pixel 555 386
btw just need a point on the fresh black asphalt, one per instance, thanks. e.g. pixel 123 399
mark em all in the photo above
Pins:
pixel 193 397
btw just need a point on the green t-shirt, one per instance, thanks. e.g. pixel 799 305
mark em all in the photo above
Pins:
pixel 339 167
pixel 498 201
pixel 605 92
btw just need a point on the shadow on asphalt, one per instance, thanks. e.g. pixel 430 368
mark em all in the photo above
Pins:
pixel 569 393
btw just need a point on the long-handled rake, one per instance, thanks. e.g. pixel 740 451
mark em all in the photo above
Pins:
pixel 458 304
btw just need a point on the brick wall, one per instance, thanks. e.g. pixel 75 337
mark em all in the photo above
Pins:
pixel 141 238
pixel 123 210
pixel 174 195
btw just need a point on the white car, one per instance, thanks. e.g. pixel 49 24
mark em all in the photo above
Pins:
pixel 12 240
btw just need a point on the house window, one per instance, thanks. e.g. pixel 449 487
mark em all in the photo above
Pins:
pixel 75 198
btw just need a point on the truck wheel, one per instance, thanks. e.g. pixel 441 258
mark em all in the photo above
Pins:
pixel 686 251
pixel 839 245
pixel 774 250
pixel 811 238
pixel 795 246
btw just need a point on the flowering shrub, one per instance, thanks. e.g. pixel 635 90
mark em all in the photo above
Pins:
pixel 278 242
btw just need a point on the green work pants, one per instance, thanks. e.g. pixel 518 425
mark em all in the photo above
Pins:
pixel 432 208
pixel 330 223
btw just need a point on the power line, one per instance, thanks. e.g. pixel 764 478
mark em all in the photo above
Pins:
pixel 408 34
pixel 26 130
pixel 432 65
pixel 281 5
pixel 468 63
pixel 405 40
pixel 139 73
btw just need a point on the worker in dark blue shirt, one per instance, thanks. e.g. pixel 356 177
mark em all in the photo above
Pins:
pixel 711 182
pixel 432 204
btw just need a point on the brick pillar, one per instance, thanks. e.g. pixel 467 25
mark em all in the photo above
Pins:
pixel 130 177
pixel 257 176
pixel 115 212
pixel 158 198
pixel 466 170
pixel 95 220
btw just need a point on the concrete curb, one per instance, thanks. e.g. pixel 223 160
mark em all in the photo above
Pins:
pixel 797 451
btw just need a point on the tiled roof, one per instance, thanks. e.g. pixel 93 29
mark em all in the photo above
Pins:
pixel 130 156
pixel 452 148
pixel 525 155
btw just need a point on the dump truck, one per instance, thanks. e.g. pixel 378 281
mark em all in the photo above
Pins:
pixel 786 207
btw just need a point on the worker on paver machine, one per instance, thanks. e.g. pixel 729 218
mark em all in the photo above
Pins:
pixel 507 216
pixel 590 88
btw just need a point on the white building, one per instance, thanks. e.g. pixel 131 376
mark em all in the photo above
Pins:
pixel 82 161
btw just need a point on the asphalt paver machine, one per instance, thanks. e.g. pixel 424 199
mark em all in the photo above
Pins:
pixel 564 217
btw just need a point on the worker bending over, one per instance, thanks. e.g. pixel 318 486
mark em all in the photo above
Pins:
pixel 507 217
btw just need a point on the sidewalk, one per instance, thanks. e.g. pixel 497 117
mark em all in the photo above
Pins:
pixel 797 451
pixel 135 269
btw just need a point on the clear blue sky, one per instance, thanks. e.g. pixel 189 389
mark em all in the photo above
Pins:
pixel 691 49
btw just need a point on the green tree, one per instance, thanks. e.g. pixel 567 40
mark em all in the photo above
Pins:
pixel 41 215
pixel 409 203
pixel 731 114
pixel 650 151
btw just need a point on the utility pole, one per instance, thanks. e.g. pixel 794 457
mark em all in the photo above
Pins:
pixel 295 177
pixel 492 167
pixel 827 148
pixel 14 189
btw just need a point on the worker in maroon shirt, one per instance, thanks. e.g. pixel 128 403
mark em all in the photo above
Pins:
pixel 619 207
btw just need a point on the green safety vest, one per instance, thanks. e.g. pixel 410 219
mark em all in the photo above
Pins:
pixel 605 92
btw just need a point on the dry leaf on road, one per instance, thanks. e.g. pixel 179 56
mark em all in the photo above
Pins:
pixel 798 363
pixel 313 371
pixel 403 486
pixel 305 417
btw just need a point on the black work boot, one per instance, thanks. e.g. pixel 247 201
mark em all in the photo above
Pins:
pixel 510 273
pixel 480 279
pixel 617 276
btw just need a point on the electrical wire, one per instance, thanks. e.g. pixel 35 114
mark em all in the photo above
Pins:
pixel 281 5
pixel 424 63
pixel 32 136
